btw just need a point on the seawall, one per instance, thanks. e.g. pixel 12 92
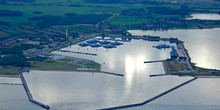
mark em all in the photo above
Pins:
pixel 30 96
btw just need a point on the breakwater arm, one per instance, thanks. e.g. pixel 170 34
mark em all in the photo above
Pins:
pixel 29 94
pixel 9 84
pixel 151 99
pixel 154 61
pixel 97 71
pixel 78 52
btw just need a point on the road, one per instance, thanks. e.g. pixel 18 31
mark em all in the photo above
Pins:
pixel 103 21
pixel 181 46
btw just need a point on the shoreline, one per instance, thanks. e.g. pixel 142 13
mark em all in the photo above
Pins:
pixel 174 29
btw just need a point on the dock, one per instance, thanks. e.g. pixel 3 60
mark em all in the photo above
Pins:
pixel 154 61
pixel 30 96
pixel 97 71
pixel 10 84
pixel 78 52
pixel 151 99
pixel 150 38
pixel 155 75
pixel 111 73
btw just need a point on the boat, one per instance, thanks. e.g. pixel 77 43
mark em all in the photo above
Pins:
pixel 83 44
pixel 116 43
pixel 95 45
pixel 92 41
pixel 109 46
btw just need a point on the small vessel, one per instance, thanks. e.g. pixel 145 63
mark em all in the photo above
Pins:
pixel 109 46
pixel 83 44
pixel 116 43
pixel 92 41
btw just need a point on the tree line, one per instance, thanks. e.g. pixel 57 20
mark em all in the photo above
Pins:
pixel 70 18
pixel 10 13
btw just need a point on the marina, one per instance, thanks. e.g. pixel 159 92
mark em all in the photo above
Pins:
pixel 109 55
pixel 106 43
pixel 128 71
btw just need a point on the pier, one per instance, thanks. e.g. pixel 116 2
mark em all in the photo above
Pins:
pixel 78 52
pixel 155 75
pixel 150 38
pixel 10 84
pixel 96 71
pixel 29 94
pixel 151 99
pixel 154 61
pixel 111 73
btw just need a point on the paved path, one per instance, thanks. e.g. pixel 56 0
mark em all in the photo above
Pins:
pixel 181 46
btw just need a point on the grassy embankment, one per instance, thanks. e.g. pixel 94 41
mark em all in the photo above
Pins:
pixel 62 65
pixel 9 71
pixel 51 65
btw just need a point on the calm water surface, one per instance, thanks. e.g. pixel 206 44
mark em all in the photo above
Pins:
pixel 10 80
pixel 202 44
pixel 202 94
pixel 205 16
pixel 127 58
pixel 13 97
pixel 79 90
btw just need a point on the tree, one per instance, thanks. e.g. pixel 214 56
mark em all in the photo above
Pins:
pixel 14 60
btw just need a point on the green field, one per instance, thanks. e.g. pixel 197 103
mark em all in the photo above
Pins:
pixel 125 20
pixel 52 65
pixel 52 10
pixel 61 7
pixel 62 65
pixel 8 71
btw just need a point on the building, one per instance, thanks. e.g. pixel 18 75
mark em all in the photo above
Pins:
pixel 180 54
pixel 173 53
pixel 31 42
pixel 213 72
pixel 177 53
